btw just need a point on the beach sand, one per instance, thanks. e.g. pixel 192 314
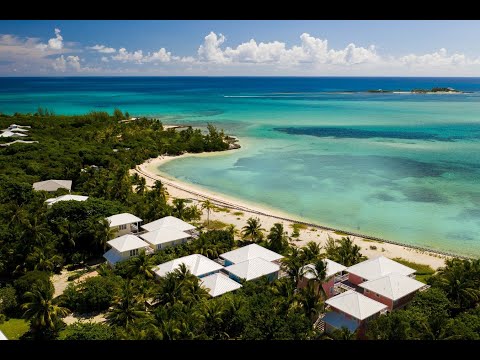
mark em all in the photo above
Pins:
pixel 178 189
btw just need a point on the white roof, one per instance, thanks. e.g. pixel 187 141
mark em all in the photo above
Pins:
pixel 218 284
pixel 393 286
pixel 127 242
pixel 250 252
pixel 196 263
pixel 52 185
pixel 122 219
pixel 2 336
pixel 332 269
pixel 18 129
pixel 9 133
pixel 24 126
pixel 66 198
pixel 355 304
pixel 253 268
pixel 169 221
pixel 378 267
pixel 164 235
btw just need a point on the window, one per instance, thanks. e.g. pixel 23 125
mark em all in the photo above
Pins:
pixel 134 252
pixel 122 227
pixel 159 246
pixel 377 295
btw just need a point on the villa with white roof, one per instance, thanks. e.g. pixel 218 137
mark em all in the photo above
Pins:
pixel 197 264
pixel 249 252
pixel 351 310
pixel 124 223
pixel 165 237
pixel 375 268
pixel 253 269
pixel 394 290
pixel 52 185
pixel 219 284
pixel 125 247
pixel 52 201
pixel 333 268
pixel 169 221
pixel 9 133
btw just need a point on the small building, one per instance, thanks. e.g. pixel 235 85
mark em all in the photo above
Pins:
pixel 125 247
pixel 124 223
pixel 165 237
pixel 351 310
pixel 52 185
pixel 333 268
pixel 393 290
pixel 219 284
pixel 376 268
pixel 52 201
pixel 15 126
pixel 2 336
pixel 169 221
pixel 253 269
pixel 197 264
pixel 249 252
pixel 8 133
pixel 14 129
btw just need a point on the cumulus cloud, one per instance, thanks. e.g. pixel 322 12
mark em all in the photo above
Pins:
pixel 56 43
pixel 104 59
pixel 102 49
pixel 63 64
pixel 160 56
pixel 210 49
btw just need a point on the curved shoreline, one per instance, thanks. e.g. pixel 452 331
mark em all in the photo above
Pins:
pixel 177 188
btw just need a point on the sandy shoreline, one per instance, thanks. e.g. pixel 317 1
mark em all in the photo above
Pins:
pixel 178 189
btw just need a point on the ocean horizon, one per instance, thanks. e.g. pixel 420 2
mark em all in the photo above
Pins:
pixel 399 166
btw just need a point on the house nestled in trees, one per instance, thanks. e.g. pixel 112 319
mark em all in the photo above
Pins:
pixel 124 223
pixel 219 284
pixel 52 201
pixel 125 247
pixel 250 252
pixel 53 185
pixel 165 237
pixel 197 264
pixel 333 276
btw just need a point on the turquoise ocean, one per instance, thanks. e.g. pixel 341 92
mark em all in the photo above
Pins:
pixel 404 167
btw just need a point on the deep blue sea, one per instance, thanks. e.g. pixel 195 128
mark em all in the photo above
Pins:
pixel 401 166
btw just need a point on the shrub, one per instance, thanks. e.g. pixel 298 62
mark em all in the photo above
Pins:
pixel 26 282
pixel 8 299
pixel 88 331
pixel 373 247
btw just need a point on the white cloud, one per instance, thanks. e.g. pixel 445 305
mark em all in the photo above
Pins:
pixel 210 49
pixel 160 56
pixel 63 64
pixel 124 56
pixel 104 59
pixel 102 49
pixel 56 43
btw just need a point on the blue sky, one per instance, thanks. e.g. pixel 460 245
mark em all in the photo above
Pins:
pixel 237 47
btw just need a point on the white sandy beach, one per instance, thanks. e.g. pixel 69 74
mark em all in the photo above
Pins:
pixel 179 189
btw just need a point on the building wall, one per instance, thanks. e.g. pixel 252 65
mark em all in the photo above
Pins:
pixel 170 243
pixel 403 301
pixel 355 279
pixel 377 297
pixel 327 286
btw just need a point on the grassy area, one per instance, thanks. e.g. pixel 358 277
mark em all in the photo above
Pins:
pixel 219 209
pixel 238 213
pixel 341 233
pixel 14 328
pixel 298 226
pixel 423 272
pixel 215 225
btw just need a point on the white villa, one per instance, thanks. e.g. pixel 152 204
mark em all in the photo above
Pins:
pixel 171 222
pixel 124 223
pixel 219 284
pixel 124 247
pixel 52 185
pixel 351 310
pixel 252 269
pixel 249 252
pixel 52 201
pixel 165 237
pixel 197 264
pixel 375 268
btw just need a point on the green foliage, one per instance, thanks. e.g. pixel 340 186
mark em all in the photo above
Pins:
pixel 423 272
pixel 87 331
pixel 343 251
pixel 277 239
pixel 26 282
pixel 8 299
pixel 215 225
pixel 253 231
pixel 14 329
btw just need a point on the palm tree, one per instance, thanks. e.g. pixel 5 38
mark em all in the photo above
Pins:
pixel 311 301
pixel 142 265
pixel 207 205
pixel 45 258
pixel 126 309
pixel 277 238
pixel 102 232
pixel 292 263
pixel 40 309
pixel 179 208
pixel 141 186
pixel 343 334
pixel 212 316
pixel 311 251
pixel 159 189
pixel 232 229
pixel 319 271
pixel 253 229
pixel 183 274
